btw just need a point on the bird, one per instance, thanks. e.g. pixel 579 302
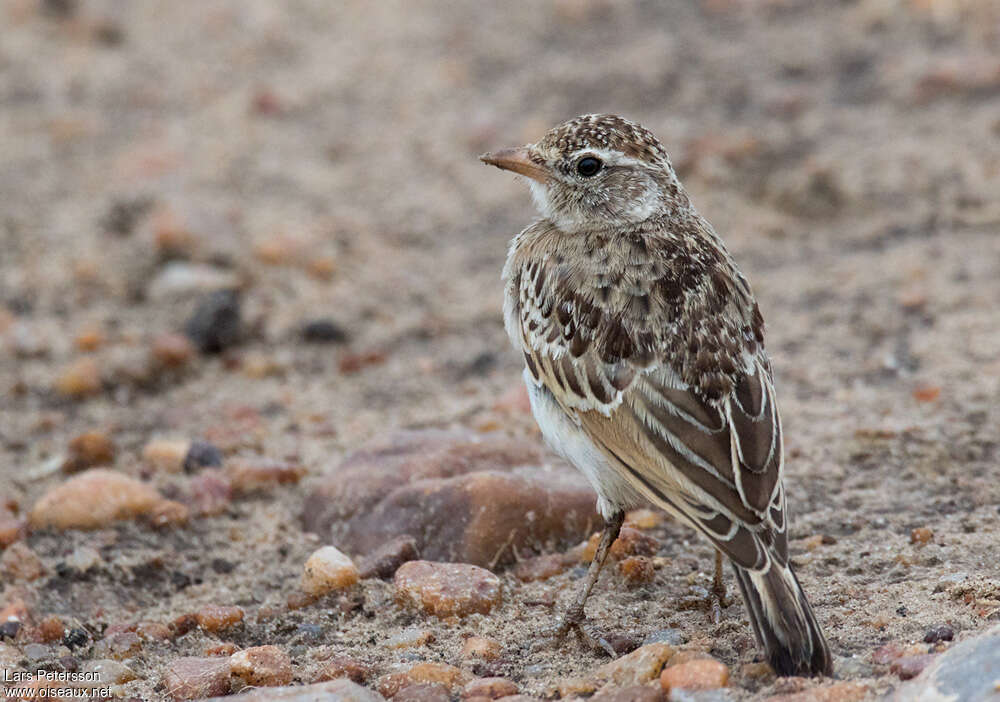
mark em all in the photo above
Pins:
pixel 644 361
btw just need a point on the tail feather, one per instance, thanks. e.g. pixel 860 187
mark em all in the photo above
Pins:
pixel 783 621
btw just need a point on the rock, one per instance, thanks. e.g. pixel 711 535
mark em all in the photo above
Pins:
pixel 637 570
pixel 541 567
pixel 324 331
pixel 907 667
pixel 88 450
pixel 341 690
pixel 249 475
pixel 385 560
pixel 262 666
pixel 118 645
pixel 632 542
pixel 674 637
pixel 216 323
pixel 481 647
pixel 640 666
pixel 630 693
pixel 423 692
pixel 210 492
pixel 492 688
pixel 343 667
pixel 194 678
pixel 921 536
pixel 50 629
pixel 172 350
pixel 837 692
pixel 109 672
pixel 328 570
pixel 447 589
pixel 180 279
pixel 226 648
pixel 461 496
pixel 79 379
pixel 969 670
pixel 93 499
pixel 202 454
pixel 19 562
pixel 939 633
pixel 449 676
pixel 166 455
pixel 410 638
pixel 215 618
pixel 703 674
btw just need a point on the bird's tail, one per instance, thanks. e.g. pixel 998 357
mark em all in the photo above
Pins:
pixel 783 621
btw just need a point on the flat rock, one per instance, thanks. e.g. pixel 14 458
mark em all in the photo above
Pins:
pixel 94 499
pixel 967 671
pixel 340 690
pixel 461 497
pixel 447 589
pixel 194 678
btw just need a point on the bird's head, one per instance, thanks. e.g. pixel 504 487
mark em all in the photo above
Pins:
pixel 594 171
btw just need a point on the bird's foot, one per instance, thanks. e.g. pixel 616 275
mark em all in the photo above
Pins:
pixel 577 621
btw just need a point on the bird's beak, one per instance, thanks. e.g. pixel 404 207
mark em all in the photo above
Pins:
pixel 517 160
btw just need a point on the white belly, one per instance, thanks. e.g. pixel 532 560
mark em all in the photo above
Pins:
pixel 572 443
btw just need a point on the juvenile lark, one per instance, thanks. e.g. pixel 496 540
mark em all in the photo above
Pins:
pixel 645 363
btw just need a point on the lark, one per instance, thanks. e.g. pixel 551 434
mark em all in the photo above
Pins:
pixel 645 365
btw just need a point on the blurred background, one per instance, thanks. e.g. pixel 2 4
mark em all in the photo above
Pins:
pixel 321 158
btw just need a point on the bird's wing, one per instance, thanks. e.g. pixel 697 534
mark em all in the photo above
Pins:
pixel 685 409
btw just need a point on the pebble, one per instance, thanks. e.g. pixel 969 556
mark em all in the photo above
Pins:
pixel 166 455
pixel 169 513
pixel 410 638
pixel 541 567
pixel 674 637
pixel 481 647
pixel 384 561
pixel 215 617
pixel 193 678
pixel 216 324
pixel 447 589
pixel 324 331
pixel 837 692
pixel 88 450
pixel 93 499
pixel 640 666
pixel 109 672
pixel 50 629
pixel 423 692
pixel 179 279
pixel 702 674
pixel 463 497
pixel 172 350
pixel 19 562
pixel 907 667
pixel 250 475
pixel 333 691
pixel 226 648
pixel 449 676
pixel 210 492
pixel 89 339
pixel 630 693
pixel 343 667
pixel 79 379
pixel 637 570
pixel 491 688
pixel 921 536
pixel 939 633
pixel 118 645
pixel 262 666
pixel 202 454
pixel 328 570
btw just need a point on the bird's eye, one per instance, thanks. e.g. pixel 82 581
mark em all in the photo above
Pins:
pixel 588 166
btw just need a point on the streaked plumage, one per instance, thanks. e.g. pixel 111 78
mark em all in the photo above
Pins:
pixel 645 363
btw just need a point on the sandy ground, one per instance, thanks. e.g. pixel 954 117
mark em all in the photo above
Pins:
pixel 848 152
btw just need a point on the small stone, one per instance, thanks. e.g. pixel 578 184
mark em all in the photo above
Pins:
pixel 447 589
pixel 492 688
pixel 226 648
pixel 410 638
pixel 423 692
pixel 88 450
pixel 837 692
pixel 50 629
pixel 575 687
pixel 79 379
pixel 321 267
pixel 541 567
pixel 481 647
pixel 89 339
pixel 210 492
pixel 448 675
pixel 921 536
pixel 333 690
pixel 19 562
pixel 632 542
pixel 629 693
pixel 637 570
pixel 216 322
pixel 9 629
pixel 939 633
pixel 153 631
pixel 215 618
pixel 172 350
pixel 695 675
pixel 169 513
pixel 328 570
pixel 324 331
pixel 758 672
pixel 384 561
pixel 194 678
pixel 247 475
pixel 166 455
pixel 640 666
pixel 93 499
pixel 262 666
pixel 181 279
pixel 109 672
pixel 909 667
pixel 343 667
pixel 674 637
pixel 118 645
pixel 202 454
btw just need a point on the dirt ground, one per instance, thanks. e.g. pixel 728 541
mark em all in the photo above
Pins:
pixel 325 153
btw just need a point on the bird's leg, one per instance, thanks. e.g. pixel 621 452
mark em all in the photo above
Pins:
pixel 718 596
pixel 574 617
